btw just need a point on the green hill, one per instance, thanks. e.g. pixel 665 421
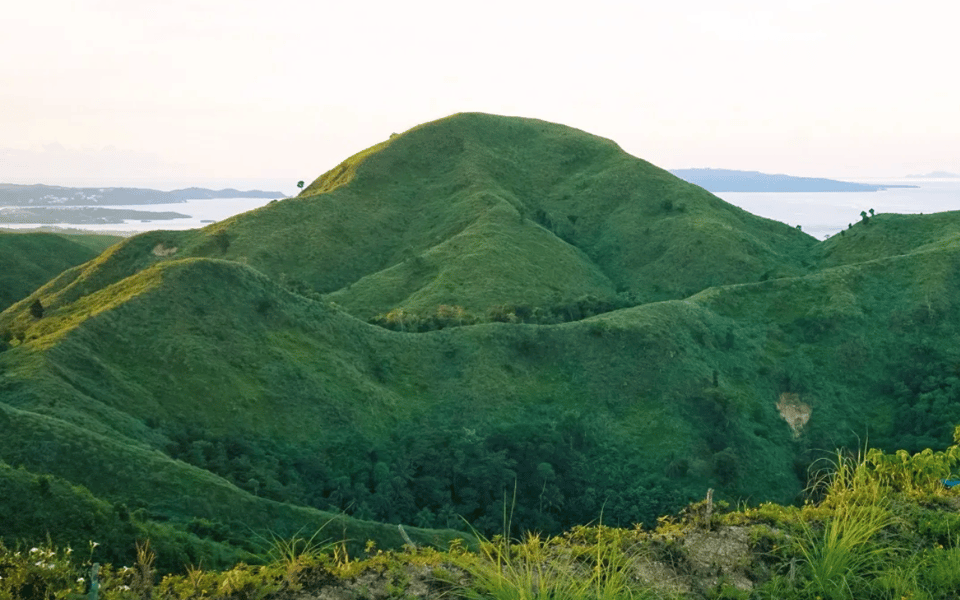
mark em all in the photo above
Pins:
pixel 28 260
pixel 692 345
pixel 890 235
pixel 483 211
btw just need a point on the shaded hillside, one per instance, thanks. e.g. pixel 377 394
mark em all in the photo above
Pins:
pixel 208 364
pixel 28 260
pixel 70 414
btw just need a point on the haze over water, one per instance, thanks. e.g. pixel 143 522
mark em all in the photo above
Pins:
pixel 823 214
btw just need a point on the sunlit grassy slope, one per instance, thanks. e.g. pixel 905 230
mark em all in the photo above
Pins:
pixel 28 260
pixel 191 345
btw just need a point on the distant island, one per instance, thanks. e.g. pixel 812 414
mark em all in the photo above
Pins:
pixel 81 215
pixel 726 180
pixel 936 175
pixel 49 195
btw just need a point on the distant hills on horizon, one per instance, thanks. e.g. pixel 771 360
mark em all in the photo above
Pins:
pixel 935 175
pixel 51 195
pixel 728 180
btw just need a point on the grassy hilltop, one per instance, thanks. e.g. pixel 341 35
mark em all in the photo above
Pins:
pixel 478 308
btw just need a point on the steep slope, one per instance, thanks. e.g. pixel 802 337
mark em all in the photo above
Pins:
pixel 28 260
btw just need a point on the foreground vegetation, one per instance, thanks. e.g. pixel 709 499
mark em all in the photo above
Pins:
pixel 874 526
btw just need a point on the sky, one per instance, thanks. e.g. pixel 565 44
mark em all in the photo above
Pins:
pixel 239 93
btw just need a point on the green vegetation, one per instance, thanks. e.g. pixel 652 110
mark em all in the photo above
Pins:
pixel 479 305
pixel 868 536
pixel 28 260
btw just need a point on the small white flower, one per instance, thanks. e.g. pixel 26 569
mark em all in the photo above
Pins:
pixel 124 587
pixel 80 579
pixel 32 550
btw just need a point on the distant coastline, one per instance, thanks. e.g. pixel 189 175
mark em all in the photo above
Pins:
pixel 81 215
pixel 935 175
pixel 727 180
pixel 51 195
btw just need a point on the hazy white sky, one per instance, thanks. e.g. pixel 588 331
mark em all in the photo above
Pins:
pixel 252 93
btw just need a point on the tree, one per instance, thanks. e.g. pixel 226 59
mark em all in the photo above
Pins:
pixel 871 212
pixel 36 309
pixel 300 184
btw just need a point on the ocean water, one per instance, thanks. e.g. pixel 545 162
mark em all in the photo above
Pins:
pixel 822 214
pixel 200 210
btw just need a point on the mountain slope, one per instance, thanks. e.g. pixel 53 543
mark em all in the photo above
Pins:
pixel 889 235
pixel 214 351
pixel 28 260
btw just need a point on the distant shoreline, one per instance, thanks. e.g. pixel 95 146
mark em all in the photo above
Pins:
pixel 51 195
pixel 727 180
pixel 81 215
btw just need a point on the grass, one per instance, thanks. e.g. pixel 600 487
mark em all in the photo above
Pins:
pixel 28 260
pixel 851 544
pixel 543 568
pixel 844 553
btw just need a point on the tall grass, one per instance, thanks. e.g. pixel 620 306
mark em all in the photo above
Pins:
pixel 843 556
pixel 539 568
